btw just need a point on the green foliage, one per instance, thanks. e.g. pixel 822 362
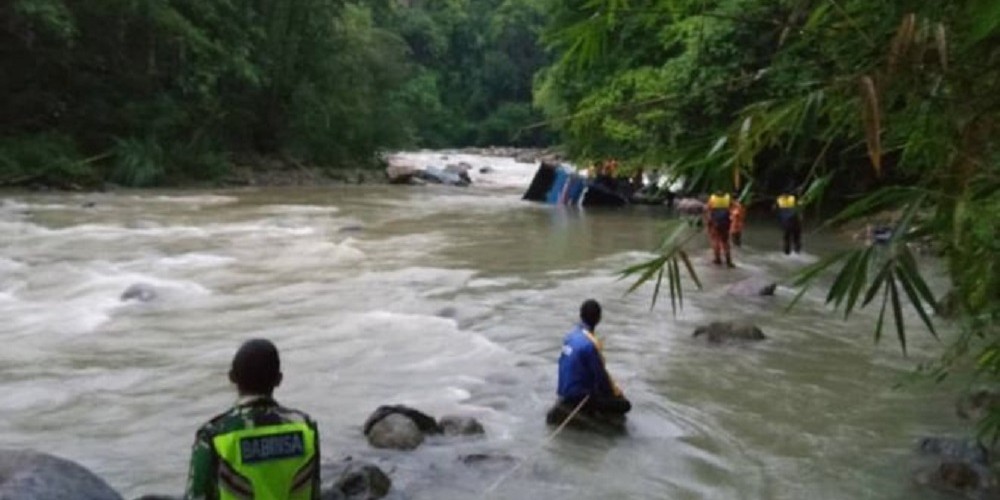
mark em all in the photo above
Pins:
pixel 896 101
pixel 41 158
pixel 472 64
pixel 167 90
pixel 138 163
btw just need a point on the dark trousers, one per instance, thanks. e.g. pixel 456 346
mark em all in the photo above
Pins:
pixel 617 406
pixel 594 407
pixel 793 234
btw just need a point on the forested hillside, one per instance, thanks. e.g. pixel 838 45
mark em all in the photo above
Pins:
pixel 149 92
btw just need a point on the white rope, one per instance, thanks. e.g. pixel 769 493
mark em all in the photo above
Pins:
pixel 531 456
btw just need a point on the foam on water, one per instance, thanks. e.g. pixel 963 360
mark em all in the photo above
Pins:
pixel 502 172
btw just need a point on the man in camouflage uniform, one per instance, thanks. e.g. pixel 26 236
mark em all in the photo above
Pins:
pixel 257 449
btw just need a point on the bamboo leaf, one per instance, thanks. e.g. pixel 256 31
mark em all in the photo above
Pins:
pixel 674 284
pixel 941 39
pixel 843 280
pixel 871 116
pixel 687 263
pixel 650 269
pixel 656 290
pixel 881 315
pixel 677 274
pixel 902 41
pixel 860 278
pixel 985 16
pixel 911 293
pixel 903 226
pixel 879 279
pixel 897 312
pixel 910 265
pixel 719 144
pixel 811 271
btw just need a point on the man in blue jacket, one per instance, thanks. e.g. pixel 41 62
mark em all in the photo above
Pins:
pixel 582 374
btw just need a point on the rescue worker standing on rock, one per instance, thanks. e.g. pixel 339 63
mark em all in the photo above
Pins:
pixel 791 223
pixel 717 219
pixel 257 449
pixel 582 374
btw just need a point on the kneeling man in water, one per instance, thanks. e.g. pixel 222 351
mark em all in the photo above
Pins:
pixel 582 374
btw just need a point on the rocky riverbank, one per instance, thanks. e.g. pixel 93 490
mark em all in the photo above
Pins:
pixel 261 171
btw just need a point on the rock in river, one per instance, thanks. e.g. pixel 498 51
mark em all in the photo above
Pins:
pixel 753 287
pixel 30 475
pixel 139 291
pixel 354 480
pixel 959 466
pixel 399 427
pixel 396 431
pixel 457 425
pixel 725 331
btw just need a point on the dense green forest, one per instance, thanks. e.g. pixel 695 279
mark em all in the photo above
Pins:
pixel 148 92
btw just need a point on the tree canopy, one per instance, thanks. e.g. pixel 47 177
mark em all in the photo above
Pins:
pixel 146 92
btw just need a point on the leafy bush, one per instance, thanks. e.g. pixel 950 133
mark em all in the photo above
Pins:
pixel 138 162
pixel 43 158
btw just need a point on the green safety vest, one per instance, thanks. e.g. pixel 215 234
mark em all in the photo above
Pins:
pixel 273 462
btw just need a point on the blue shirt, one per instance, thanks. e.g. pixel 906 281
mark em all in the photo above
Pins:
pixel 581 369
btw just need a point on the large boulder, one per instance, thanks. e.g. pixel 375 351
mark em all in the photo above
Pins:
pixel 30 475
pixel 423 421
pixel 728 331
pixel 396 431
pixel 960 478
pixel 399 427
pixel 753 287
pixel 457 425
pixel 142 292
pixel 958 467
pixel 400 171
pixel 354 480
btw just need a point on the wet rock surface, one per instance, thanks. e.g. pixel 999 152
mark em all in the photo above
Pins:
pixel 958 467
pixel 457 425
pixel 753 287
pixel 30 475
pixel 396 431
pixel 721 332
pixel 142 292
pixel 354 480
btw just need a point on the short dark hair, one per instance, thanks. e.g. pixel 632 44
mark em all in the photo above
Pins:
pixel 256 367
pixel 590 313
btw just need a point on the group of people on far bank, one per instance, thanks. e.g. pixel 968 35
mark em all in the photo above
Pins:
pixel 725 215
pixel 259 449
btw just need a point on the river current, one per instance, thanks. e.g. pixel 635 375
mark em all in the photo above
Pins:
pixel 451 300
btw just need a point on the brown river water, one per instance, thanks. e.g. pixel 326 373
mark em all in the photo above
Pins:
pixel 450 300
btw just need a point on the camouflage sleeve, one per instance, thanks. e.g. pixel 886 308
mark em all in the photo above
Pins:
pixel 201 474
pixel 317 480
